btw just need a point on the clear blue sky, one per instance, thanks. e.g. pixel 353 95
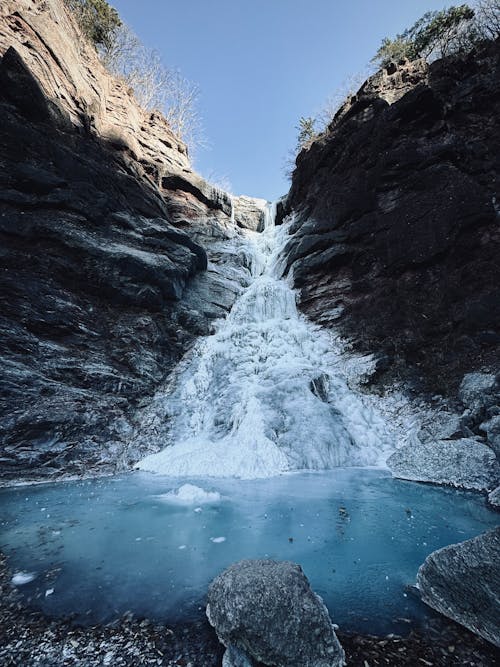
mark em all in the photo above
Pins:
pixel 260 65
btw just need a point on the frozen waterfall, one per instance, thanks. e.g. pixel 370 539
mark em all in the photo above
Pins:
pixel 259 397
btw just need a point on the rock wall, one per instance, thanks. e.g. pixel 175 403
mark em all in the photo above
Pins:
pixel 396 235
pixel 106 234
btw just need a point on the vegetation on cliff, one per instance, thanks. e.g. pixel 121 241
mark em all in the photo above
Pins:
pixel 155 86
pixel 436 34
pixel 442 33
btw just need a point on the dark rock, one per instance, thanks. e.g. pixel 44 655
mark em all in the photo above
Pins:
pixel 465 462
pixel 102 271
pixel 462 581
pixel 492 429
pixel 267 610
pixel 320 386
pixel 395 236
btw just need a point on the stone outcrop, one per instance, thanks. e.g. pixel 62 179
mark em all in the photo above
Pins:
pixel 265 611
pixel 462 581
pixel 463 462
pixel 396 238
pixel 249 212
pixel 111 250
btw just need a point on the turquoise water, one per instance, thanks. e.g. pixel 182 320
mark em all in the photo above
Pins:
pixel 99 548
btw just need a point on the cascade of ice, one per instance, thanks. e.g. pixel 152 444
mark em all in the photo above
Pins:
pixel 258 397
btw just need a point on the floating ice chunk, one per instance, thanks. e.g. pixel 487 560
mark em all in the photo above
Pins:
pixel 217 540
pixel 49 591
pixel 183 546
pixel 189 494
pixel 198 509
pixel 21 578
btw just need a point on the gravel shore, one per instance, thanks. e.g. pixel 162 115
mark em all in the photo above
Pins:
pixel 30 639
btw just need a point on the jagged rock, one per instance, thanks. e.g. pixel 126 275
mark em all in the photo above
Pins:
pixel 267 610
pixel 465 462
pixel 249 212
pixel 376 249
pixel 478 391
pixel 441 425
pixel 494 497
pixel 320 386
pixel 492 428
pixel 462 581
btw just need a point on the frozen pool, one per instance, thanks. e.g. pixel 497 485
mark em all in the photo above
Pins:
pixel 152 544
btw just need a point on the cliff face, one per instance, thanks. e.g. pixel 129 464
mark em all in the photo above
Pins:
pixel 105 238
pixel 396 237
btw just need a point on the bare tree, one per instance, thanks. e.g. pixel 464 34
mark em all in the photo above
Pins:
pixel 488 18
pixel 335 100
pixel 155 86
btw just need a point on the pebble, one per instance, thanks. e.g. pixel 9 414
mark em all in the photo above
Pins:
pixel 29 639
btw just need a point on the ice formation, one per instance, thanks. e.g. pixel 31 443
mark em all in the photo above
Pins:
pixel 261 396
pixel 189 494
pixel 21 578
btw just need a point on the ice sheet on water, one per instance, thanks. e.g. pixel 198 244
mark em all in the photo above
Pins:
pixel 189 494
pixel 243 405
pixel 21 578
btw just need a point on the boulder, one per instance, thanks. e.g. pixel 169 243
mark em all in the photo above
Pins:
pixel 492 428
pixel 462 581
pixel 441 425
pixel 479 391
pixel 248 212
pixel 266 611
pixel 494 497
pixel 466 463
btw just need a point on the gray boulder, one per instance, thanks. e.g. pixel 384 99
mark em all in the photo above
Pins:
pixel 494 497
pixel 266 611
pixel 441 425
pixel 492 428
pixel 478 391
pixel 462 581
pixel 465 462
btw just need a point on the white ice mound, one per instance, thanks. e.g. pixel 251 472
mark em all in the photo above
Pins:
pixel 189 494
pixel 21 578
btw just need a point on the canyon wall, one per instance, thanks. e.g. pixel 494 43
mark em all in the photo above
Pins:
pixel 396 207
pixel 109 244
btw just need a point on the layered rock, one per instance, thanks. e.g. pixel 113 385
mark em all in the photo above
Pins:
pixel 266 611
pixel 111 250
pixel 249 212
pixel 396 230
pixel 462 581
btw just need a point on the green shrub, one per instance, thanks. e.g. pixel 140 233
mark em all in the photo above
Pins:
pixel 97 19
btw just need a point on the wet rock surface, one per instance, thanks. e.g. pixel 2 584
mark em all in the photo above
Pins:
pixel 396 228
pixel 462 581
pixel 266 611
